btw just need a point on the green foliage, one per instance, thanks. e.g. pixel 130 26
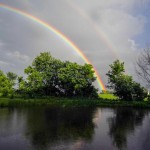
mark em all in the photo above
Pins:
pixel 123 85
pixel 77 80
pixel 117 69
pixel 5 85
pixel 48 76
pixel 67 102
pixel 140 93
pixel 12 77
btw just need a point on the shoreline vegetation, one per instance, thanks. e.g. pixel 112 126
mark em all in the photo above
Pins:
pixel 75 102
pixel 52 82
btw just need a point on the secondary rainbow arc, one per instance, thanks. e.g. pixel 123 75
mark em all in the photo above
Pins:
pixel 59 34
pixel 103 37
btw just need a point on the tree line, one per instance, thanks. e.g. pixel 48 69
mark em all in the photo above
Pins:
pixel 48 76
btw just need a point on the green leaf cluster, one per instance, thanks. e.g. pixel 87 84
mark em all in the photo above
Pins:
pixel 123 85
pixel 48 76
pixel 6 86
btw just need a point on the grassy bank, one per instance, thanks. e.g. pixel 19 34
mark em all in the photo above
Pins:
pixel 53 101
pixel 108 96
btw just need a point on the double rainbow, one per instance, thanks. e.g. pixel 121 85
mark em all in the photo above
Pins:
pixel 58 33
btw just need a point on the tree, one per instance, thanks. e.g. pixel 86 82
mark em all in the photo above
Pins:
pixel 12 77
pixel 43 75
pixel 123 85
pixel 143 66
pixel 20 79
pixel 117 70
pixel 48 76
pixel 77 80
pixel 5 85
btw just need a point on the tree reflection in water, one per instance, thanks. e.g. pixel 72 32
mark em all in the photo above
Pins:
pixel 123 123
pixel 47 126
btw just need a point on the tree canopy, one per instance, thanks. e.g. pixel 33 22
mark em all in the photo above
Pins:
pixel 6 86
pixel 123 85
pixel 12 77
pixel 48 76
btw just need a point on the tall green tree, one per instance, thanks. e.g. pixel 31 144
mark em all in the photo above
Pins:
pixel 43 74
pixel 77 80
pixel 116 71
pixel 123 85
pixel 50 76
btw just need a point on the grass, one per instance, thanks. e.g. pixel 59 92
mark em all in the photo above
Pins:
pixel 108 96
pixel 65 102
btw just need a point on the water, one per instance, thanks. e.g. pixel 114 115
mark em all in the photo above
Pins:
pixel 51 128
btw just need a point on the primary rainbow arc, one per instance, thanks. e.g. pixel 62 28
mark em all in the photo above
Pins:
pixel 58 33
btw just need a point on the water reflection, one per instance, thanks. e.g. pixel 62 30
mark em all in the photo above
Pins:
pixel 73 128
pixel 46 127
pixel 12 125
pixel 123 123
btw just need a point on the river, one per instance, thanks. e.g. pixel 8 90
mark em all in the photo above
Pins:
pixel 83 128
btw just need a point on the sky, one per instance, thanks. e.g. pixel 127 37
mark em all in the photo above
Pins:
pixel 103 30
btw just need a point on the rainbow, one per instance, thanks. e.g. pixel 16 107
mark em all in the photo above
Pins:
pixel 103 37
pixel 56 32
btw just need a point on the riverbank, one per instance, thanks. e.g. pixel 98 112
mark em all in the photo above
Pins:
pixel 65 102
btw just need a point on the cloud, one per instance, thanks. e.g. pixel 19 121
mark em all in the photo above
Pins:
pixel 121 24
pixel 18 56
pixel 118 19
pixel 4 64
pixel 133 44
pixel 16 3
pixel 116 4
pixel 1 45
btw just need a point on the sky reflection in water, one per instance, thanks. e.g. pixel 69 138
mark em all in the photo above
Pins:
pixel 46 128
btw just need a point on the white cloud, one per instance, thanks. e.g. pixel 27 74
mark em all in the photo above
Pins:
pixel 18 56
pixel 133 45
pixel 118 20
pixel 117 4
pixel 3 63
pixel 118 23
